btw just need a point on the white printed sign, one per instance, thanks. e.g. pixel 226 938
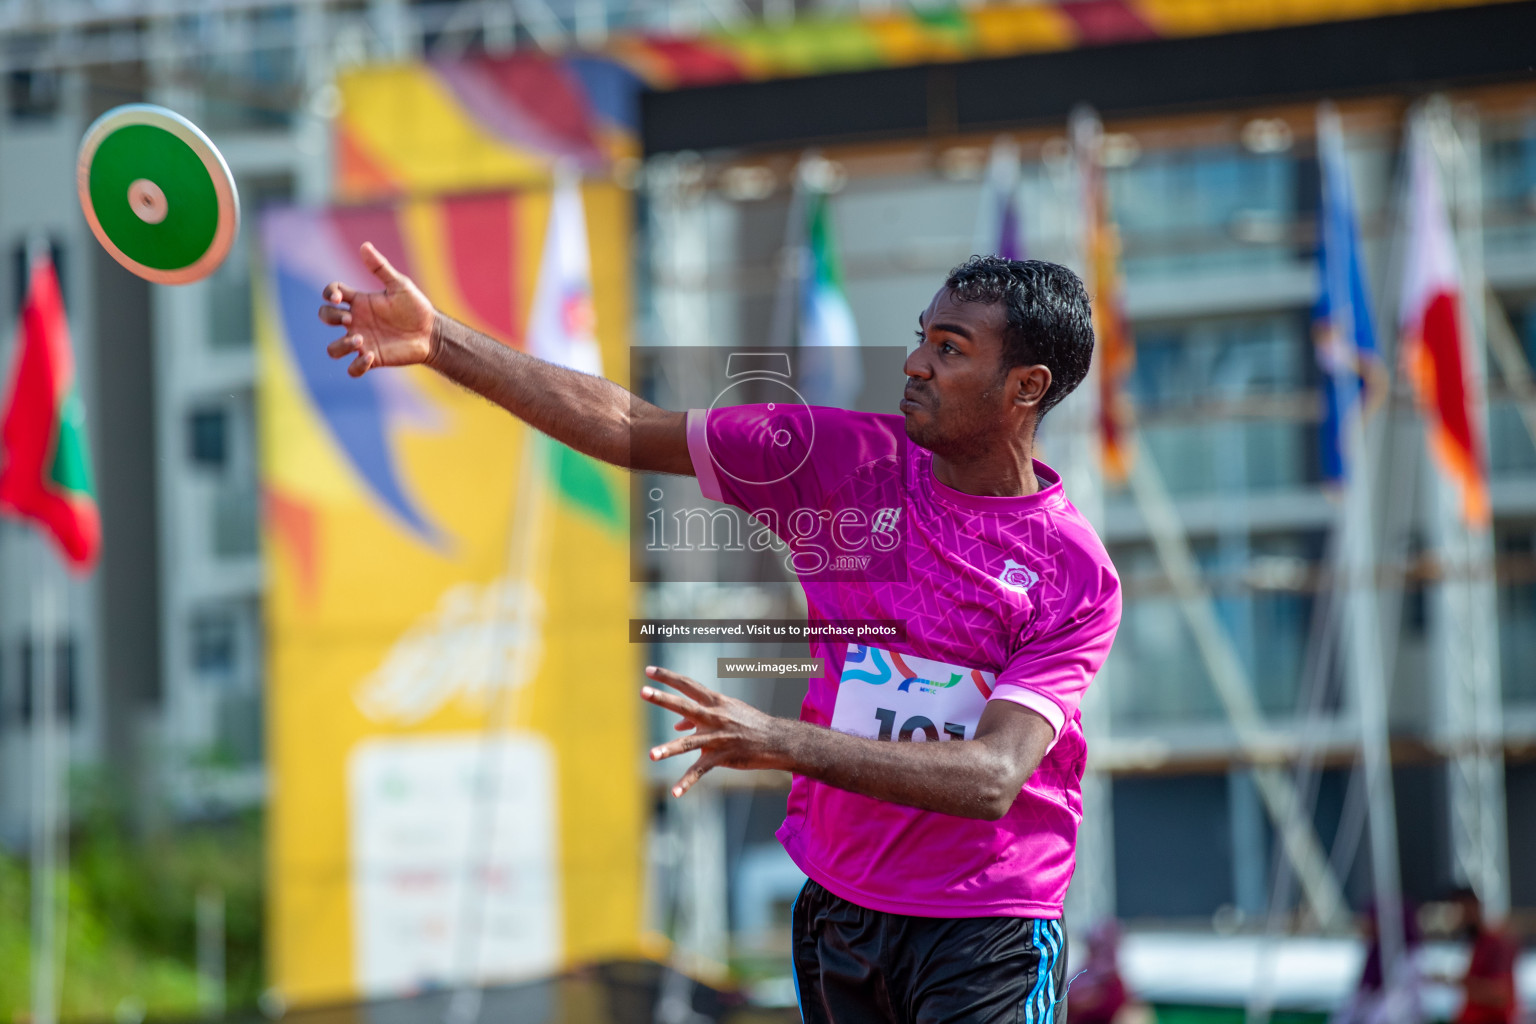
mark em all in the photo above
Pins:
pixel 889 696
pixel 453 860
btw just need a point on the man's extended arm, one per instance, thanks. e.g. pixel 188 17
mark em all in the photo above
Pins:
pixel 977 778
pixel 591 414
pixel 398 327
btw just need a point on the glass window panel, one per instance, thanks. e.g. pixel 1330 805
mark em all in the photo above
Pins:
pixel 208 437
pixel 1509 440
pixel 1190 386
pixel 230 320
pixel 1221 358
pixel 1517 612
pixel 1203 208
pixel 33 95
pixel 1216 456
pixel 246 86
pixel 21 269
pixel 1509 165
pixel 1270 626
pixel 1169 682
pixel 240 727
pixel 213 643
pixel 66 699
pixel 1524 317
pixel 1509 185
pixel 235 526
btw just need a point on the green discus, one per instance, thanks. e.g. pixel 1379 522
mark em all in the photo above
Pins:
pixel 157 194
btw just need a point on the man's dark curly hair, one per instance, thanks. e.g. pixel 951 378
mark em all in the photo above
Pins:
pixel 1050 321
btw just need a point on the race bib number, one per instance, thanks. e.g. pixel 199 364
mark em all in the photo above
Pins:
pixel 889 696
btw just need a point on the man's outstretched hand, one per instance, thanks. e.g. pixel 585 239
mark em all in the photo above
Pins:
pixel 975 778
pixel 730 733
pixel 388 328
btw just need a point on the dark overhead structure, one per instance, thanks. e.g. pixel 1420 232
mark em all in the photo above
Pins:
pixel 1414 52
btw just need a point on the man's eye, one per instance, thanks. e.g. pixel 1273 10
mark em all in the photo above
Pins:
pixel 947 347
pixel 920 337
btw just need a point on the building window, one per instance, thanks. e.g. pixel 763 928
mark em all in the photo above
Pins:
pixel 1516 546
pixel 1262 585
pixel 32 95
pixel 1181 210
pixel 1226 404
pixel 1509 166
pixel 230 321
pixel 208 438
pixel 21 269
pixel 213 643
pixel 1222 359
pixel 64 676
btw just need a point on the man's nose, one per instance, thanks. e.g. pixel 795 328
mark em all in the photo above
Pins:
pixel 917 365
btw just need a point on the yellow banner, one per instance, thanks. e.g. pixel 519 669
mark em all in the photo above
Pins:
pixel 455 735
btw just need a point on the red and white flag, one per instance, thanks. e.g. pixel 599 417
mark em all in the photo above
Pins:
pixel 1436 345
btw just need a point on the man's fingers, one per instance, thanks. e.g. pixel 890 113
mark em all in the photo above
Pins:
pixel 338 292
pixel 343 347
pixel 671 749
pixel 360 365
pixel 685 725
pixel 694 774
pixel 378 266
pixel 682 684
pixel 672 702
pixel 335 316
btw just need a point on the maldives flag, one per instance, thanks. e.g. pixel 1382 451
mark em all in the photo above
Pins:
pixel 45 465
pixel 831 369
pixel 1435 350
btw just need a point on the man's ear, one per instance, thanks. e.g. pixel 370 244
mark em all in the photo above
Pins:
pixel 1030 383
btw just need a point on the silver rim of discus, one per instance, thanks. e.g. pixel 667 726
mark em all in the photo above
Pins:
pixel 149 201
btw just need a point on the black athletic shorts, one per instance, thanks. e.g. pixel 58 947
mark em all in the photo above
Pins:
pixel 857 966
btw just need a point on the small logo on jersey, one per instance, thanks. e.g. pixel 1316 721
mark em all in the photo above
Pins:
pixel 886 520
pixel 877 667
pixel 1017 577
pixel 930 685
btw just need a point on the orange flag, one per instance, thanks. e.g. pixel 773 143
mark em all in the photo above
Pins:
pixel 1116 349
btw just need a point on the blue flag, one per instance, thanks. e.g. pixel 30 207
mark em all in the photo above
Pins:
pixel 1342 328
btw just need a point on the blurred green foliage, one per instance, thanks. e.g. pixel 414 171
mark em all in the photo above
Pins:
pixel 131 935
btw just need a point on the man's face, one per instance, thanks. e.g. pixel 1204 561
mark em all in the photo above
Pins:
pixel 958 400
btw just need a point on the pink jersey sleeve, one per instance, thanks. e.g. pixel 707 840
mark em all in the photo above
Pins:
pixel 784 457
pixel 1049 673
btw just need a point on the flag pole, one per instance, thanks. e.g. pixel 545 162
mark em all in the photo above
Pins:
pixel 44 853
pixel 46 478
pixel 997 230
pixel 1091 896
pixel 789 272
pixel 1356 573
pixel 1362 633
pixel 1478 804
pixel 44 800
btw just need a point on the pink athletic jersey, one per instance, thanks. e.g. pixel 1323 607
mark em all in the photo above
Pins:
pixel 1003 599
